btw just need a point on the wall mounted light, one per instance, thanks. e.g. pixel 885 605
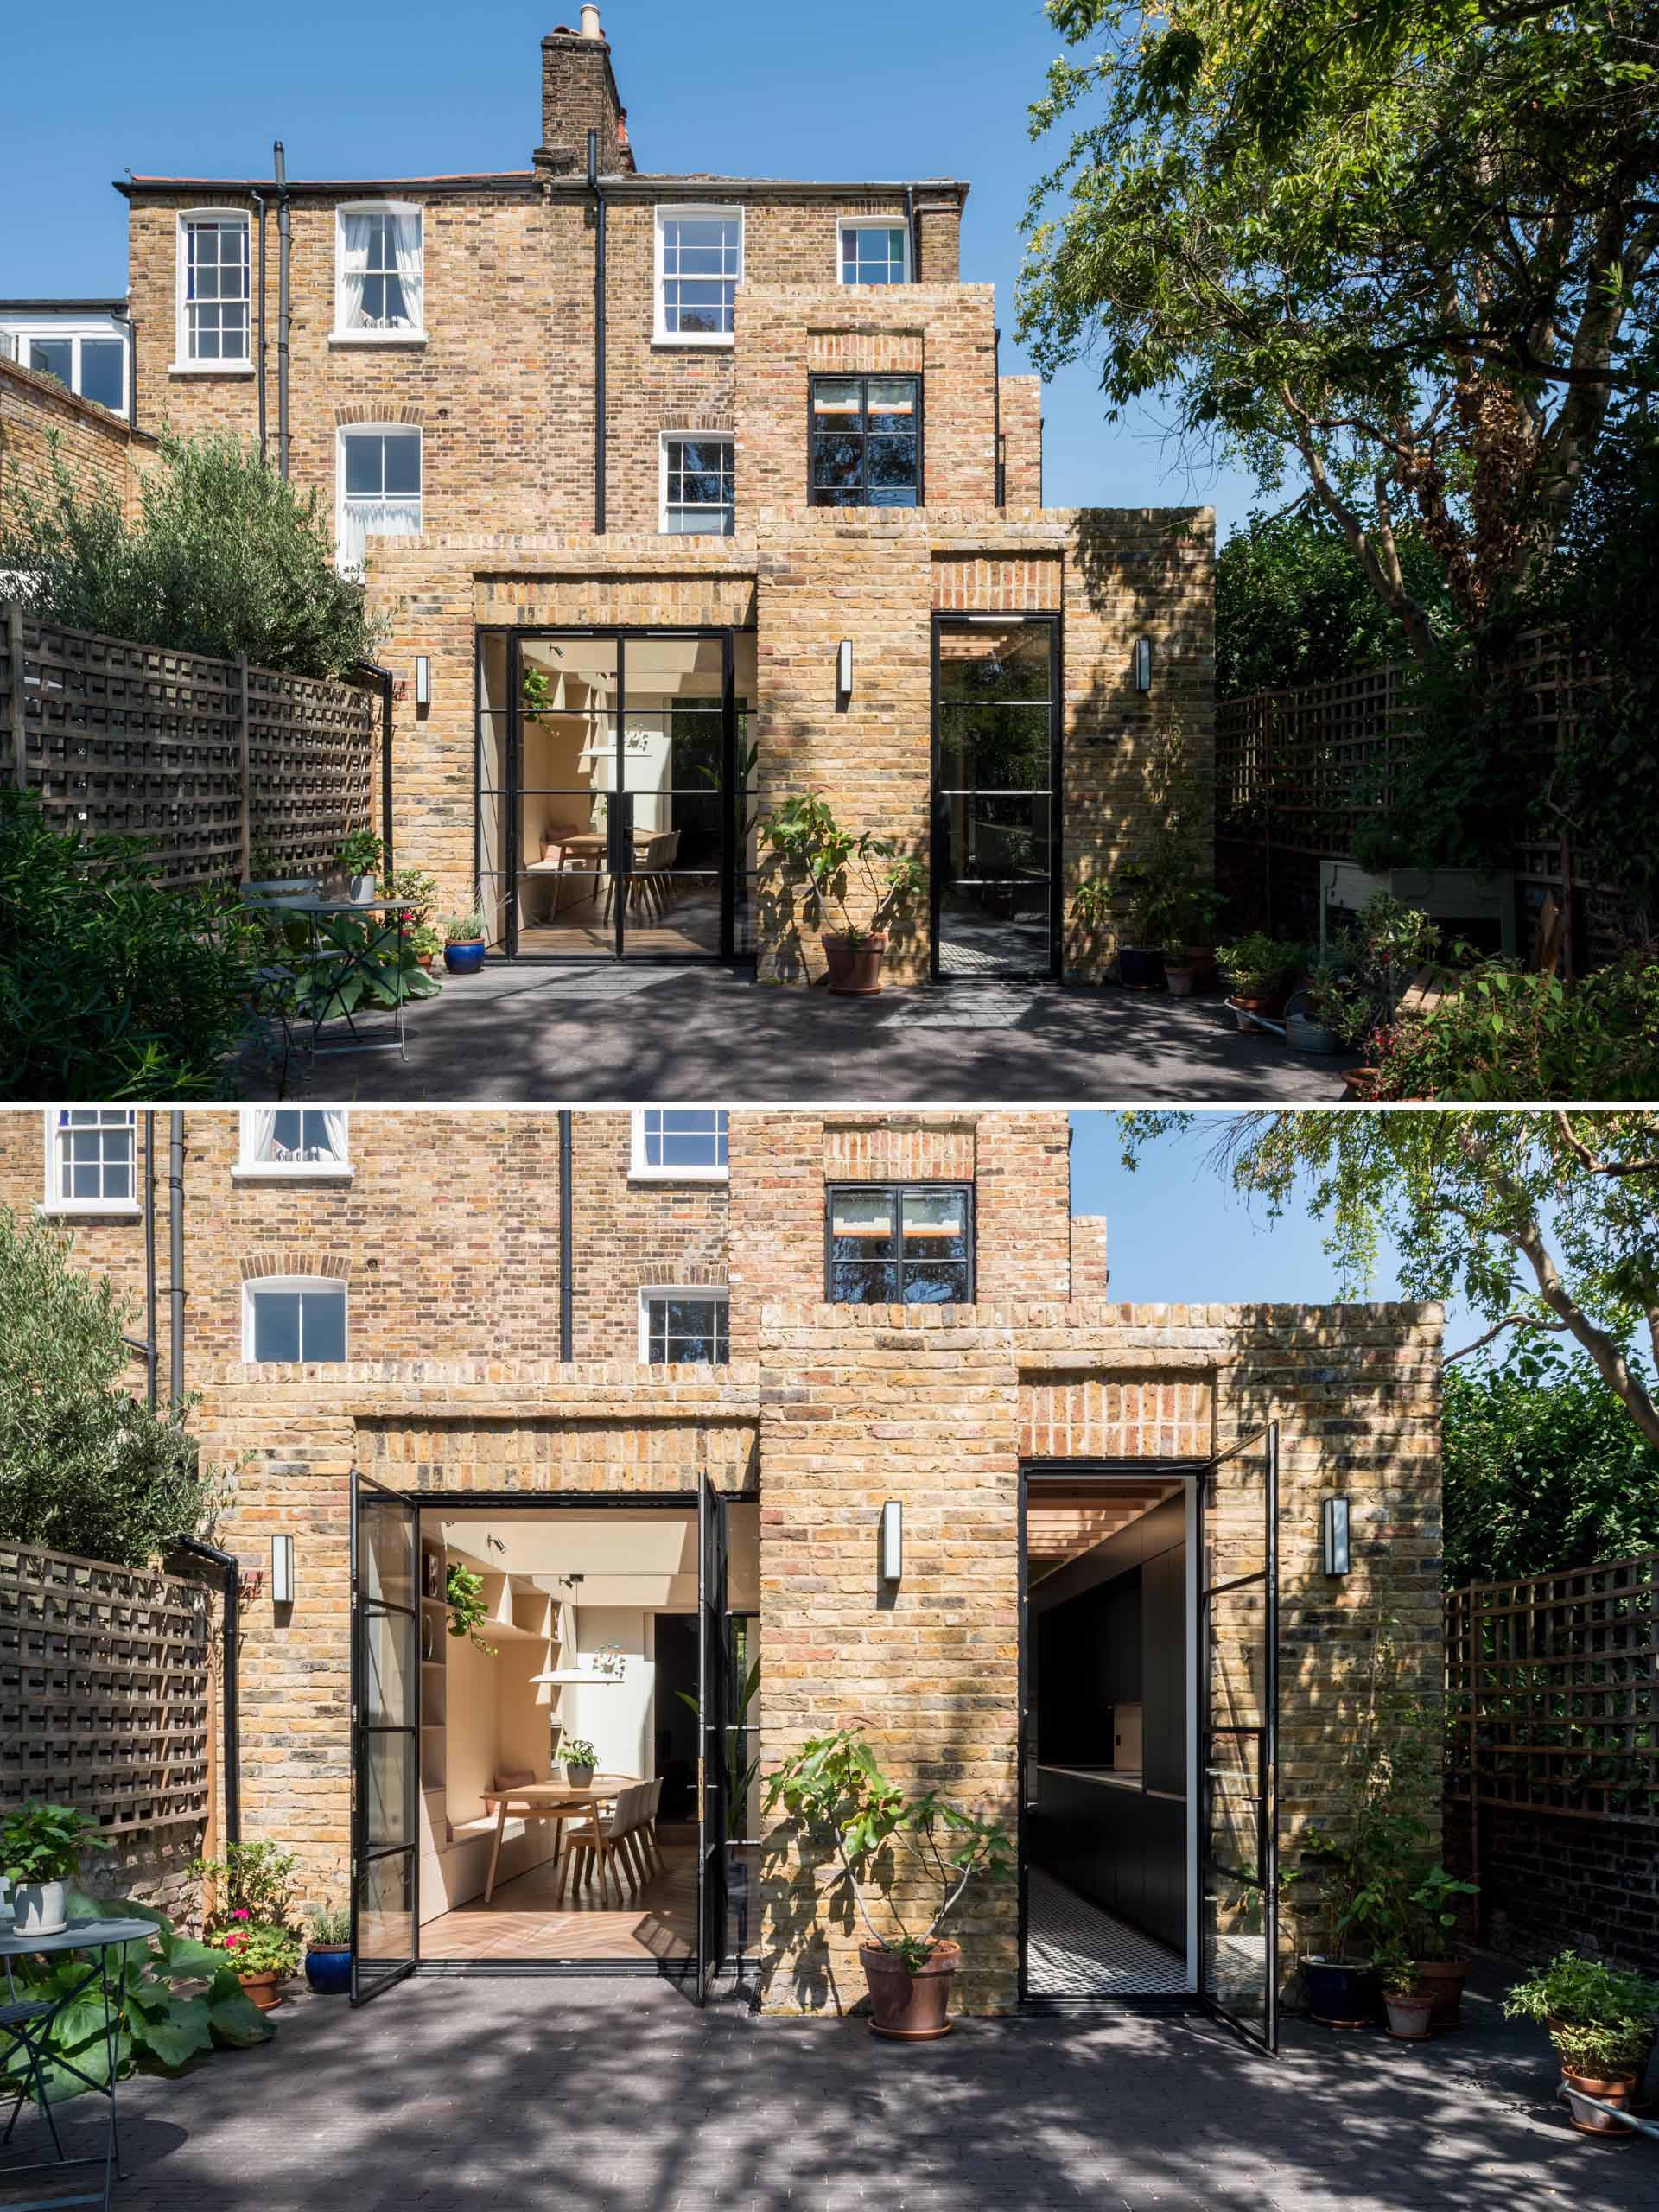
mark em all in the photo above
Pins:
pixel 1143 663
pixel 282 1570
pixel 422 680
pixel 1333 1535
pixel 892 1541
pixel 844 668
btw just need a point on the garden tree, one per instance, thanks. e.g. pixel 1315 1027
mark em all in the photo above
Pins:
pixel 1407 245
pixel 85 1467
pixel 1292 606
pixel 1546 1223
pixel 224 558
pixel 1543 1470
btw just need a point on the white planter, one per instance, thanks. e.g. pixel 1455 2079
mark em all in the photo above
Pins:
pixel 40 1908
pixel 362 890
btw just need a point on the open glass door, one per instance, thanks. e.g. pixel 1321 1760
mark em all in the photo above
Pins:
pixel 385 1736
pixel 1238 1748
pixel 714 1697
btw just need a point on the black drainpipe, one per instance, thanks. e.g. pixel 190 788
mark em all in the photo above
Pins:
pixel 382 676
pixel 567 1244
pixel 131 328
pixel 231 1585
pixel 910 231
pixel 152 1348
pixel 280 163
pixel 1001 465
pixel 598 190
pixel 258 200
pixel 175 1256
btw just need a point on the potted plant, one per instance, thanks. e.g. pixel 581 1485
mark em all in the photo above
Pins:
pixel 359 858
pixel 262 1951
pixel 579 1758
pixel 834 1790
pixel 328 1950
pixel 808 844
pixel 463 1593
pixel 1408 2006
pixel 39 1849
pixel 1437 1960
pixel 1354 990
pixel 417 891
pixel 1259 971
pixel 1601 2020
pixel 465 937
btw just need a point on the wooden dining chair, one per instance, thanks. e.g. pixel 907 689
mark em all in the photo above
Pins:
pixel 594 1845
pixel 652 1841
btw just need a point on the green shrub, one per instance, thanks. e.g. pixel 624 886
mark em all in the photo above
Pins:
pixel 1506 1034
pixel 224 558
pixel 111 986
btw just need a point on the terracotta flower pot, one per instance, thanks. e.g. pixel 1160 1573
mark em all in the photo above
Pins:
pixel 854 968
pixel 1207 976
pixel 1410 2012
pixel 909 2007
pixel 1585 2117
pixel 1181 981
pixel 1443 1980
pixel 263 1990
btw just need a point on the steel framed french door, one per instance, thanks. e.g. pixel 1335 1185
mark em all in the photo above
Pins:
pixel 714 1702
pixel 1238 1736
pixel 385 1736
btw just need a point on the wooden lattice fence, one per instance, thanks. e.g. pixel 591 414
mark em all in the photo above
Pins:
pixel 106 1690
pixel 219 764
pixel 1552 1693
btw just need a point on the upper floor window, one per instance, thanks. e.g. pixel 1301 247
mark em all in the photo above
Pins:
pixel 866 442
pixel 684 1328
pixel 699 262
pixel 379 476
pixel 92 363
pixel 901 1245
pixel 379 273
pixel 680 1142
pixel 293 1319
pixel 294 1140
pixel 213 290
pixel 874 250
pixel 91 1159
pixel 698 495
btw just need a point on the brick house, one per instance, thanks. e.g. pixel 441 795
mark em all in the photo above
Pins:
pixel 680 494
pixel 841 1391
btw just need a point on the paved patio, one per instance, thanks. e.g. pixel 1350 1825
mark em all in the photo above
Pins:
pixel 580 1034
pixel 499 2095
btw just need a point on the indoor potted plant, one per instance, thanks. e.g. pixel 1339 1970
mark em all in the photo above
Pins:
pixel 328 1950
pixel 262 1951
pixel 463 1593
pixel 1601 2020
pixel 39 1849
pixel 465 937
pixel 832 1789
pixel 579 1758
pixel 358 859
pixel 804 840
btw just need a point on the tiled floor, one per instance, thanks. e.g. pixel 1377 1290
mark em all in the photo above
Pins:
pixel 1074 1950
pixel 527 1919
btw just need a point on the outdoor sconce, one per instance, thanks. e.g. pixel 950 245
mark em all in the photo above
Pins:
pixel 1333 1535
pixel 1143 663
pixel 844 668
pixel 282 1570
pixel 892 1541
pixel 422 680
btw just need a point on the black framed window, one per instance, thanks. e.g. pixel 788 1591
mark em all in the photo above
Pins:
pixel 899 1244
pixel 865 442
pixel 683 1328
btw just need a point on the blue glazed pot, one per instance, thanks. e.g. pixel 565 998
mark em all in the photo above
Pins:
pixel 463 959
pixel 329 1972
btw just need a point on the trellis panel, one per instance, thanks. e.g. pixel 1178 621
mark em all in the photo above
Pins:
pixel 190 753
pixel 1551 1690
pixel 105 1682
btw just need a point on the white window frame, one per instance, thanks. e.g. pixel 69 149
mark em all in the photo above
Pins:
pixel 183 364
pixel 128 1209
pixel 717 1292
pixel 251 1169
pixel 339 335
pixel 251 1288
pixel 690 437
pixel 871 223
pixel 642 1171
pixel 674 211
pixel 372 429
pixel 21 333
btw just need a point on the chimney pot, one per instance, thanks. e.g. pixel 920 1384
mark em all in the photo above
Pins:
pixel 590 21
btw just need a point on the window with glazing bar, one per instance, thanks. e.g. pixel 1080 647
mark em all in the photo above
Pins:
pixel 91 1159
pixel 901 1244
pixel 865 442
pixel 214 253
pixel 874 253
pixel 699 262
pixel 698 495
pixel 684 1328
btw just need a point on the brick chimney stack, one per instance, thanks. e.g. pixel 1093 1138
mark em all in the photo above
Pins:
pixel 579 95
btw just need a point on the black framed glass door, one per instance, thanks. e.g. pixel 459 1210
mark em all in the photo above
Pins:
pixel 1238 1732
pixel 385 1736
pixel 995 874
pixel 714 1715
pixel 613 777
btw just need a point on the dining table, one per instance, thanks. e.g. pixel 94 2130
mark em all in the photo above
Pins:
pixel 550 1801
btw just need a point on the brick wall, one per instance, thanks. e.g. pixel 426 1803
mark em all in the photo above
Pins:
pixel 40 418
pixel 1022 441
pixel 1548 1884
pixel 579 94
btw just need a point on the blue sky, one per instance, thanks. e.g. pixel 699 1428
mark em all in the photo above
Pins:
pixel 938 87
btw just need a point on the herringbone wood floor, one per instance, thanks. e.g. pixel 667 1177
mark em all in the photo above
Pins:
pixel 525 1919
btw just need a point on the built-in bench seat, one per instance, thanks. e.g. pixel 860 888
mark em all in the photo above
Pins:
pixel 454 1873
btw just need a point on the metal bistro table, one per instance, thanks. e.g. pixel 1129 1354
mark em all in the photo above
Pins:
pixel 27 2021
pixel 350 957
